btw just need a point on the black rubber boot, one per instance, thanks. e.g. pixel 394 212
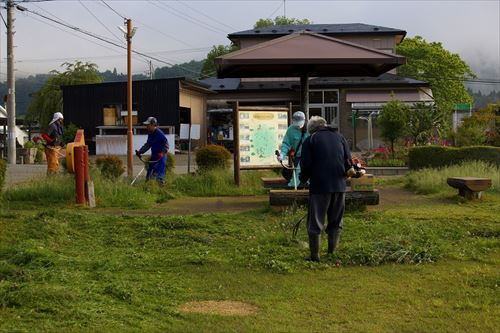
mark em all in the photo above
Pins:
pixel 314 248
pixel 333 240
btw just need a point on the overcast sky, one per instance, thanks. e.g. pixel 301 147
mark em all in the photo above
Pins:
pixel 178 31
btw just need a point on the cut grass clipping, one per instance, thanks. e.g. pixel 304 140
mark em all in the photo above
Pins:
pixel 73 270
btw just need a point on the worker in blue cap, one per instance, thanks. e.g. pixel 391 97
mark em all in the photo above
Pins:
pixel 158 143
pixel 292 142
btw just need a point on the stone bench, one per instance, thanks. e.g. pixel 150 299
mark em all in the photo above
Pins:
pixel 301 197
pixel 469 187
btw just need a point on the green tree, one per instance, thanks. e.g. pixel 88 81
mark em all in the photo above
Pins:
pixel 209 64
pixel 49 98
pixel 392 121
pixel 280 20
pixel 423 123
pixel 480 128
pixel 445 71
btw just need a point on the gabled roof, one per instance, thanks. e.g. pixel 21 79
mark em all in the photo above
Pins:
pixel 306 52
pixel 327 29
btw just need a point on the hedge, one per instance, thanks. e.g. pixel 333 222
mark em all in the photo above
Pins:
pixel 439 156
pixel 212 157
pixel 3 169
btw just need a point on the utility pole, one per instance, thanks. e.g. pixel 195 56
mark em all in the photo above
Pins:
pixel 150 69
pixel 11 85
pixel 130 145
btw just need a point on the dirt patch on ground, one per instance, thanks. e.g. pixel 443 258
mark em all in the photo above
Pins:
pixel 194 205
pixel 397 196
pixel 222 308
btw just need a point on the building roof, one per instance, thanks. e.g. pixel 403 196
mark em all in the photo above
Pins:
pixel 306 53
pixel 328 29
pixel 382 81
pixel 187 81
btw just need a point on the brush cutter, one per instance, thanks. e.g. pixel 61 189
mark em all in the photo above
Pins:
pixel 146 164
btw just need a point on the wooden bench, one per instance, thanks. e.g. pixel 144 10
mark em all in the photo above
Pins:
pixel 280 182
pixel 274 182
pixel 301 197
pixel 469 187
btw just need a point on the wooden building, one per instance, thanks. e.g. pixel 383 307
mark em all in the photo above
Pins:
pixel 101 109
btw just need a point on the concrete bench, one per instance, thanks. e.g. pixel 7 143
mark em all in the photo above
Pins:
pixel 301 197
pixel 469 187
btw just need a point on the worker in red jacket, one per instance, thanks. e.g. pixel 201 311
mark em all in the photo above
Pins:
pixel 53 143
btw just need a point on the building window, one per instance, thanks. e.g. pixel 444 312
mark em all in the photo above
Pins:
pixel 324 103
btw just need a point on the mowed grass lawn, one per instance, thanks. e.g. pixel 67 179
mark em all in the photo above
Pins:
pixel 424 265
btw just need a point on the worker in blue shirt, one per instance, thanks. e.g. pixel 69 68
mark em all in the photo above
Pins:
pixel 158 143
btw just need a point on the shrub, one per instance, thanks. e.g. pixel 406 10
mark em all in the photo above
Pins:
pixel 170 163
pixel 69 134
pixel 212 157
pixel 111 167
pixel 3 169
pixel 439 156
pixel 378 162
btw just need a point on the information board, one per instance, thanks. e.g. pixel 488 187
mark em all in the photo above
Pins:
pixel 261 132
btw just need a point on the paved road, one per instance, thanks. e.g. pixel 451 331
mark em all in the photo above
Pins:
pixel 21 173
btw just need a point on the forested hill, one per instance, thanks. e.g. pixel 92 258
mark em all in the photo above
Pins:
pixel 25 87
pixel 481 100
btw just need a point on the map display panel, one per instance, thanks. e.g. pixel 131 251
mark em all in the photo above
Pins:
pixel 261 133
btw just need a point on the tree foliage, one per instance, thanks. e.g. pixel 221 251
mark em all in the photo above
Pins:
pixel 209 64
pixel 280 20
pixel 445 71
pixel 48 99
pixel 392 121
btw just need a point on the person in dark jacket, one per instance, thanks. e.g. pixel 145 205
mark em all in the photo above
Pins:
pixel 324 156
pixel 158 143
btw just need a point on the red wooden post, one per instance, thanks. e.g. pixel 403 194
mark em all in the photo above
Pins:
pixel 79 174
pixel 86 170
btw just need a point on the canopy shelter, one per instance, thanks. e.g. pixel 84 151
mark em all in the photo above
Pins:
pixel 305 54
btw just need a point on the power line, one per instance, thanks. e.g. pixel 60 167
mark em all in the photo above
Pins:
pixel 210 18
pixel 274 12
pixel 104 2
pixel 98 20
pixel 101 38
pixel 185 16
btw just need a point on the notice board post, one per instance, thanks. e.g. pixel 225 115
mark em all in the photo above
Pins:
pixel 236 143
pixel 258 132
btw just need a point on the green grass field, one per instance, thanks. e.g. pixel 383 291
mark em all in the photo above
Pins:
pixel 428 264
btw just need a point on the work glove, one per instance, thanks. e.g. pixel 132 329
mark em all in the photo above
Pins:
pixel 160 155
pixel 279 157
pixel 138 154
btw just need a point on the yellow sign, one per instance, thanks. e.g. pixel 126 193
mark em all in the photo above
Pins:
pixel 261 134
pixel 70 157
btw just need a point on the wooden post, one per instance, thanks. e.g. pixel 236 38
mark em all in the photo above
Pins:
pixel 236 142
pixel 304 94
pixel 130 135
pixel 79 175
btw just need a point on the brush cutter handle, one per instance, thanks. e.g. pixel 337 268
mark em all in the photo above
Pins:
pixel 145 161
